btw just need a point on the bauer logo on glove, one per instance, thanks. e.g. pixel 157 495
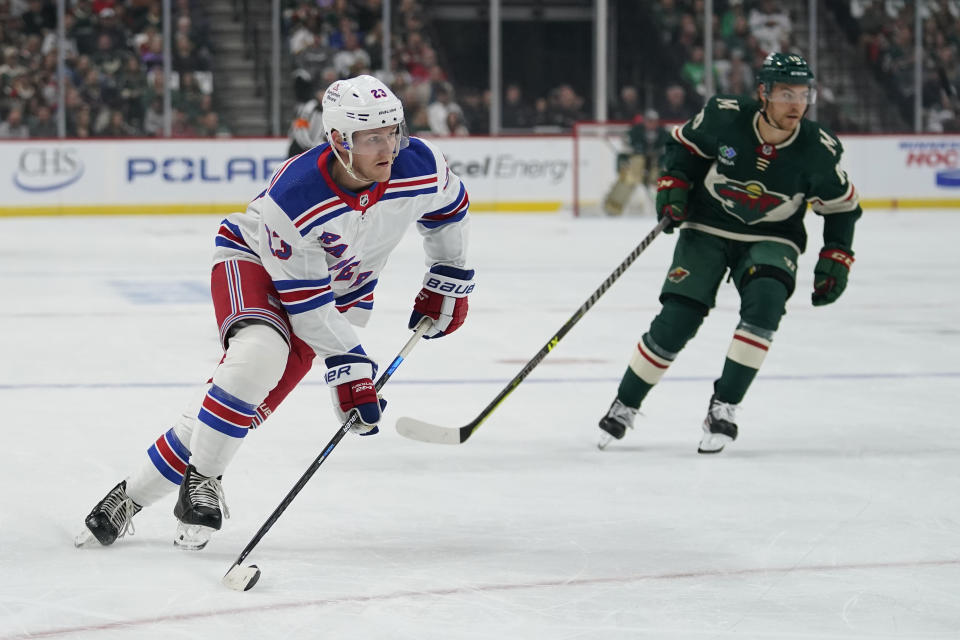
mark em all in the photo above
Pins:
pixel 443 299
pixel 350 378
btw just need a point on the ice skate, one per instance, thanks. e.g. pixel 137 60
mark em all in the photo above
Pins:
pixel 198 510
pixel 110 519
pixel 619 418
pixel 719 427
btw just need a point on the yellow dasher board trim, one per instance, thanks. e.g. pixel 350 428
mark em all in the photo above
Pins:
pixel 200 208
pixel 909 203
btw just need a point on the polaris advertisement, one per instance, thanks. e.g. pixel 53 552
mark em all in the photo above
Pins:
pixel 49 177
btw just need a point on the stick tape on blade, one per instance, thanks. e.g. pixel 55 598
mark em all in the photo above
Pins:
pixel 241 578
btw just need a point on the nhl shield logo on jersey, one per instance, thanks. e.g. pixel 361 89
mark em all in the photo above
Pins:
pixel 767 151
pixel 677 275
pixel 364 199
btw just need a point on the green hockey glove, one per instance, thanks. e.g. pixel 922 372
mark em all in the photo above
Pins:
pixel 830 275
pixel 672 194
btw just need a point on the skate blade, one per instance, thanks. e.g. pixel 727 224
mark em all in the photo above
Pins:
pixel 605 439
pixel 192 537
pixel 85 539
pixel 713 443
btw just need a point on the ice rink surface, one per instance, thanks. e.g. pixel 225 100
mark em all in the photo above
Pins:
pixel 836 514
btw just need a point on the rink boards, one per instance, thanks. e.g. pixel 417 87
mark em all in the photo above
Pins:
pixel 521 174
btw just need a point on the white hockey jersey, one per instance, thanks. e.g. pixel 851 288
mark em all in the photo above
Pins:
pixel 324 247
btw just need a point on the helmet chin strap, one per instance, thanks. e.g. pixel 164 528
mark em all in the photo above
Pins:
pixel 763 114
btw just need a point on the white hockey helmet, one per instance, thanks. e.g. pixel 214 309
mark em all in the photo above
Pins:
pixel 359 104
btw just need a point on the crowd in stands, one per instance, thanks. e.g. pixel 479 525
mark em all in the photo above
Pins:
pixel 333 39
pixel 114 69
pixel 114 64
pixel 744 32
pixel 885 33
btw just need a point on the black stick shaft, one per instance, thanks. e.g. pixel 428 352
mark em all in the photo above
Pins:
pixel 467 431
pixel 342 431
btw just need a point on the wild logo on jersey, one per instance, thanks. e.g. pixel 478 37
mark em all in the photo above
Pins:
pixel 751 202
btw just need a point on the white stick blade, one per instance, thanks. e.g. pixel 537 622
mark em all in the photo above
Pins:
pixel 426 432
pixel 241 578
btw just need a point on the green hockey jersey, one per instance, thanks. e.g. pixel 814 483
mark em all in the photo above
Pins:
pixel 747 189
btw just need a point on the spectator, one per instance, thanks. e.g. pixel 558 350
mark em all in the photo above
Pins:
pixel 13 126
pixel 116 126
pixel 693 71
pixel 629 106
pixel 38 17
pixel 112 28
pixel 188 97
pixel 675 109
pixel 455 124
pixel 314 56
pixel 476 111
pixel 186 58
pixel 107 57
pixel 541 113
pixel 352 59
pixel 738 78
pixel 132 86
pixel 437 111
pixel 79 125
pixel 771 26
pixel 515 113
pixel 42 124
pixel 565 107
pixel 181 127
pixel 667 15
pixel 209 126
pixel 153 117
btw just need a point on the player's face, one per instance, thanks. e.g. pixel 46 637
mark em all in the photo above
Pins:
pixel 786 104
pixel 373 152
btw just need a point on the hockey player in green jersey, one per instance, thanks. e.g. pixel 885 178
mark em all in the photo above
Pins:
pixel 737 179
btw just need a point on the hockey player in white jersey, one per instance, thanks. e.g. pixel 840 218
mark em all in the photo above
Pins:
pixel 292 277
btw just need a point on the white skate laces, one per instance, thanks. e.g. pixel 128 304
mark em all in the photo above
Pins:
pixel 208 492
pixel 615 423
pixel 200 510
pixel 111 519
pixel 720 410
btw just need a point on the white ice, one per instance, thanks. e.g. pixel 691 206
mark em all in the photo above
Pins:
pixel 836 514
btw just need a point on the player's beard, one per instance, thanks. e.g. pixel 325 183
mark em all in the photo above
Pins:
pixel 784 124
pixel 781 123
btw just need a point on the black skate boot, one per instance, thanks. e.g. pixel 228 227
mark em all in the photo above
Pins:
pixel 719 427
pixel 619 418
pixel 112 518
pixel 198 510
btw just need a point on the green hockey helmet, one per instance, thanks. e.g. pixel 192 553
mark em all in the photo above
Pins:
pixel 786 68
